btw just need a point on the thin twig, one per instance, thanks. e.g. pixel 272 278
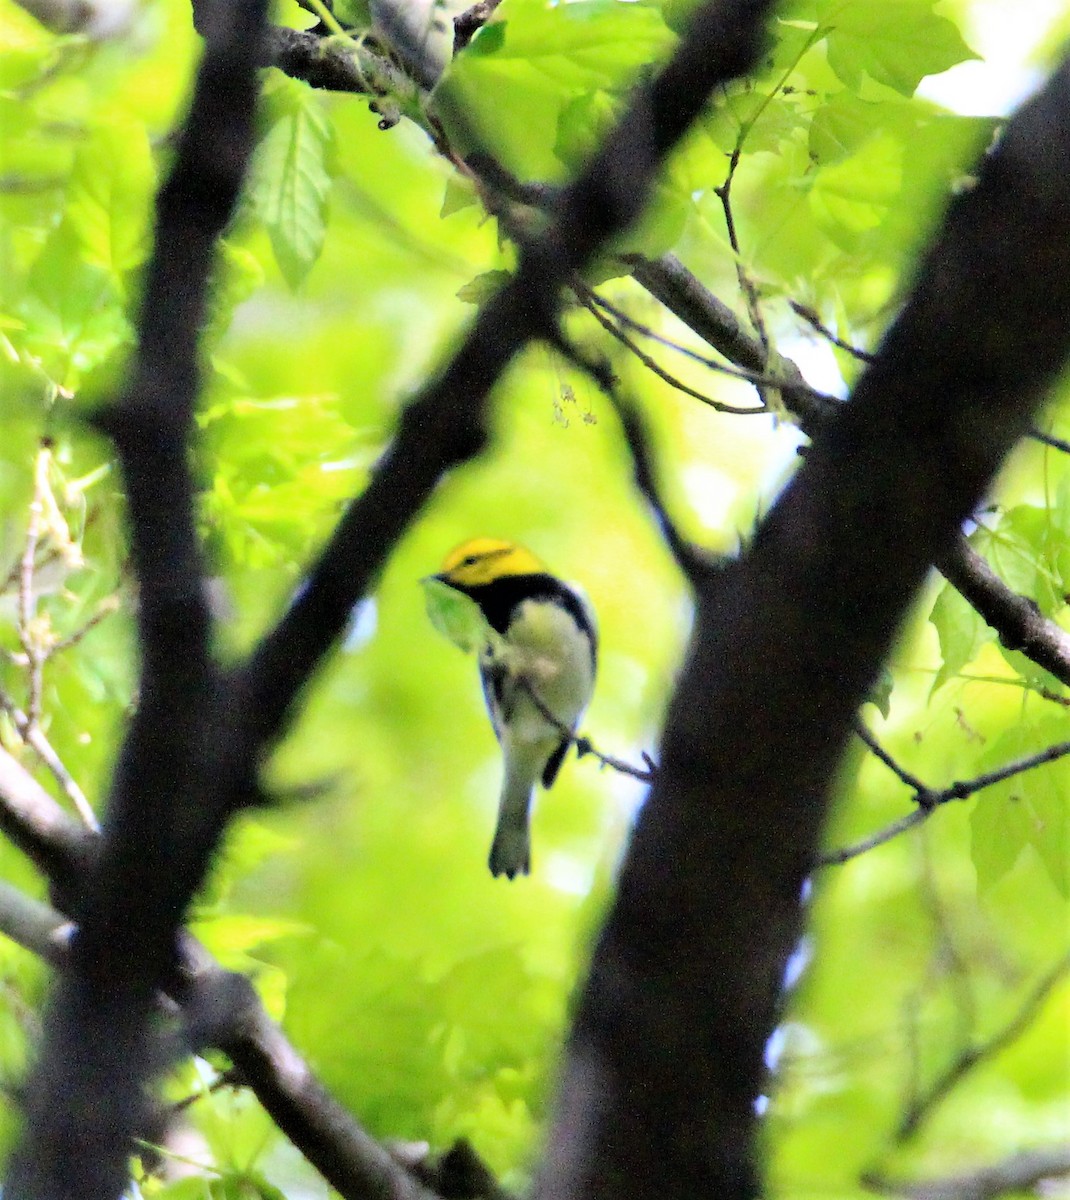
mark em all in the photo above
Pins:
pixel 692 560
pixel 960 791
pixel 584 745
pixel 677 289
pixel 231 1078
pixel 26 604
pixel 1049 439
pixel 875 748
pixel 34 736
pixel 724 193
pixel 468 23
pixel 652 365
pixel 758 378
pixel 107 606
pixel 929 800
pixel 977 1052
pixel 836 857
pixel 815 322
pixel 746 284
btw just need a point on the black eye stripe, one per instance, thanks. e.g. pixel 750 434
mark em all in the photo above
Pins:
pixel 473 559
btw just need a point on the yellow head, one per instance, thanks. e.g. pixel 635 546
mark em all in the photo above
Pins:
pixel 482 560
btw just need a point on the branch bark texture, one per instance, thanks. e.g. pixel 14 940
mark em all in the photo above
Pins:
pixel 666 1057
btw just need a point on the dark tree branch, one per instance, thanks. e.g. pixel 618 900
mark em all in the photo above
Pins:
pixel 349 1158
pixel 699 567
pixel 468 23
pixel 34 736
pixel 1017 620
pixel 669 282
pixel 459 1174
pixel 666 1055
pixel 320 63
pixel 86 1098
pixel 761 379
pixel 61 849
pixel 33 925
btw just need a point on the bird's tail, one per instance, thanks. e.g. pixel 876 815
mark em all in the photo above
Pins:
pixel 510 852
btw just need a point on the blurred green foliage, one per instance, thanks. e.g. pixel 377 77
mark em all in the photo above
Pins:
pixel 431 997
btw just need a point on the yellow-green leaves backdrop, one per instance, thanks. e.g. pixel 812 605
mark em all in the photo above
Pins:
pixel 432 998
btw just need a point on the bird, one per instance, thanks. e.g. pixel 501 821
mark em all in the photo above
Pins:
pixel 537 674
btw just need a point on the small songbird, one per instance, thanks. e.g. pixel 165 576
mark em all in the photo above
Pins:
pixel 537 676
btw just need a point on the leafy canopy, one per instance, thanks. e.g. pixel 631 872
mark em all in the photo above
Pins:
pixel 432 998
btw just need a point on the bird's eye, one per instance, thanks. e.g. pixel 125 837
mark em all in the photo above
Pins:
pixel 471 560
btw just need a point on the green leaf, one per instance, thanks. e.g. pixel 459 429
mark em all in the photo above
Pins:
pixel 353 14
pixel 754 121
pixel 582 125
pixel 961 631
pixel 459 194
pixel 488 40
pixel 1030 809
pixel 590 43
pixel 1010 543
pixel 854 195
pixel 195 1187
pixel 228 935
pixel 880 694
pixel 292 177
pixel 457 616
pixel 480 289
pixel 27 153
pixel 843 125
pixel 109 201
pixel 524 67
pixel 74 314
pixel 894 42
pixel 237 276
